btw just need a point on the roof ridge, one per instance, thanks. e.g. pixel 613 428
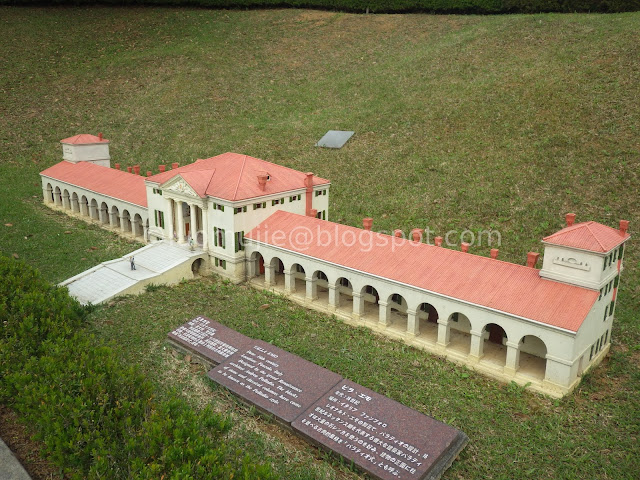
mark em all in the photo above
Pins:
pixel 244 162
pixel 588 225
pixel 209 183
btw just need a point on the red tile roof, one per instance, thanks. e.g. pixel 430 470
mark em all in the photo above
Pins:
pixel 591 236
pixel 503 286
pixel 232 176
pixel 84 138
pixel 106 181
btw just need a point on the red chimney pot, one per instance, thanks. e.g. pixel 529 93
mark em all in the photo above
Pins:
pixel 100 136
pixel 416 234
pixel 129 169
pixel 464 247
pixel 117 166
pixel 532 259
pixel 570 217
pixel 136 169
pixel 149 173
pixel 262 181
pixel 438 241
pixel 367 223
pixel 624 226
pixel 397 233
pixel 494 253
pixel 174 165
pixel 162 168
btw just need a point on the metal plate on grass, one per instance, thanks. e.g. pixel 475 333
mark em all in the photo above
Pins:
pixel 334 139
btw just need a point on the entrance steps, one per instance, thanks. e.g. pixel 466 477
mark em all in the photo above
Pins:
pixel 158 263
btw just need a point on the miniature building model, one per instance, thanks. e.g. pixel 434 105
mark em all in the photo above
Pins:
pixel 267 224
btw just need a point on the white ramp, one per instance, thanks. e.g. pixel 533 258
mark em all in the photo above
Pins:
pixel 160 263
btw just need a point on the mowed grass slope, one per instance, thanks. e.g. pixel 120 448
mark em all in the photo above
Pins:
pixel 503 123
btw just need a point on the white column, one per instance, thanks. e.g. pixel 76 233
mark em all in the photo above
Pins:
pixel 477 344
pixel 123 223
pixel 269 275
pixel 334 297
pixel 65 201
pixel 413 325
pixel 384 310
pixel 193 227
pixel 444 333
pixel 112 219
pixel 169 218
pixel 289 282
pixel 358 305
pixel 181 236
pixel 513 358
pixel 312 289
pixel 205 230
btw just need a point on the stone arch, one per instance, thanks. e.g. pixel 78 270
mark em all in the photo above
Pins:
pixel 49 195
pixel 459 327
pixel 138 228
pixel 93 209
pixel 84 206
pixel 427 318
pixel 369 307
pixel 115 217
pixel 57 196
pixel 344 295
pixel 278 269
pixel 75 203
pixel 394 313
pixel 104 213
pixel 298 282
pixel 494 349
pixel 532 358
pixel 320 286
pixel 255 267
pixel 66 200
pixel 126 221
pixel 195 266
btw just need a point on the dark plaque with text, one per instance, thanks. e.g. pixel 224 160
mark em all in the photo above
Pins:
pixel 208 339
pixel 273 380
pixel 383 437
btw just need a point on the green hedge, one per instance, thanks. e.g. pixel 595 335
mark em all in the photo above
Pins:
pixel 96 417
pixel 380 6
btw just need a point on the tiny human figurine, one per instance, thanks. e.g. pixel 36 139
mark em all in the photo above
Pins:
pixel 133 263
pixel 191 244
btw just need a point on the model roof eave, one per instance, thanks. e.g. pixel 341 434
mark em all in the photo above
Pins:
pixel 500 286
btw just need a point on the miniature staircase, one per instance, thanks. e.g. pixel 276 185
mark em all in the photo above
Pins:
pixel 157 263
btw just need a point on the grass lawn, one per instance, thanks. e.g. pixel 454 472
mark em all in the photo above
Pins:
pixel 493 122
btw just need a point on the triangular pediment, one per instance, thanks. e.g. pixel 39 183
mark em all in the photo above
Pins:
pixel 178 184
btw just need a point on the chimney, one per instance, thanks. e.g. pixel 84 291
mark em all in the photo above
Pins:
pixel 416 234
pixel 464 247
pixel 397 233
pixel 624 226
pixel 149 173
pixel 308 183
pixel 438 241
pixel 532 259
pixel 313 213
pixel 571 217
pixel 262 180
pixel 367 223
pixel 161 168
pixel 494 253
pixel 174 165
pixel 100 136
pixel 117 166
pixel 136 169
pixel 129 169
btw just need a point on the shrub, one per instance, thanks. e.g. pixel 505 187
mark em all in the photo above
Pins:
pixel 96 417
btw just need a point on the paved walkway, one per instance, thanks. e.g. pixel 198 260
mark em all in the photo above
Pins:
pixel 109 279
pixel 10 467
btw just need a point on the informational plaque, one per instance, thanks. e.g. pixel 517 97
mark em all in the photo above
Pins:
pixel 274 381
pixel 208 339
pixel 386 439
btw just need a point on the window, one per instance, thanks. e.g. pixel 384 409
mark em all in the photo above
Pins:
pixel 606 336
pixel 237 210
pixel 275 202
pixel 396 298
pixel 157 191
pixel 218 237
pixel 454 317
pixel 220 263
pixel 159 218
pixel 324 192
pixel 601 290
pixel 259 205
pixel 369 290
pixel 322 276
pixel 591 353
pixel 239 241
pixel 344 282
pixel 605 313
pixel 611 305
pixel 616 281
pixel 318 193
pixel 294 198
